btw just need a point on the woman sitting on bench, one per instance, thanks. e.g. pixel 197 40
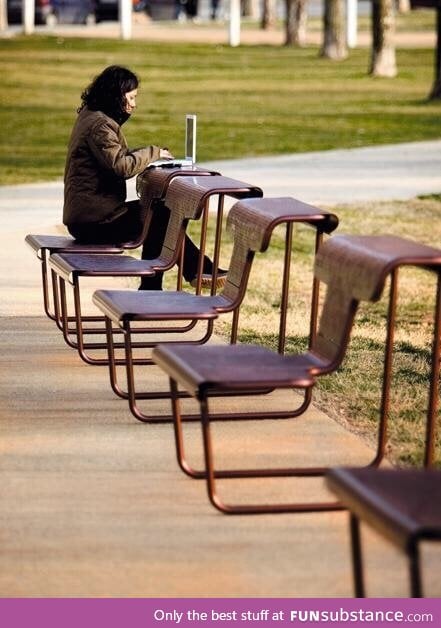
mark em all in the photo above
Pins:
pixel 97 166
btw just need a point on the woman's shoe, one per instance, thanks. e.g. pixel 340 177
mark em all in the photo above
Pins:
pixel 207 279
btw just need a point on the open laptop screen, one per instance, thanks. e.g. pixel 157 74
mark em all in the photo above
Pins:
pixel 190 137
pixel 190 147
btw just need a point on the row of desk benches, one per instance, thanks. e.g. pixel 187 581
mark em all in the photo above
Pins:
pixel 405 505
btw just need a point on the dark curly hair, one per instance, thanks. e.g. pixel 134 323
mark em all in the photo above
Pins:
pixel 107 92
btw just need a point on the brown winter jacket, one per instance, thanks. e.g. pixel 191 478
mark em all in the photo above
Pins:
pixel 97 165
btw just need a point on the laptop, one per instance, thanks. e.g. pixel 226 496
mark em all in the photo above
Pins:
pixel 190 147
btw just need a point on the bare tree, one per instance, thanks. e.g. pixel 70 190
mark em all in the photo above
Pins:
pixel 295 23
pixel 383 60
pixel 334 35
pixel 269 14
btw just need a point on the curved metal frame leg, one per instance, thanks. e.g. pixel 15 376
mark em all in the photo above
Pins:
pixel 387 372
pixel 357 557
pixel 416 588
pixel 132 395
pixel 210 474
pixel 432 409
pixel 249 509
pixel 45 284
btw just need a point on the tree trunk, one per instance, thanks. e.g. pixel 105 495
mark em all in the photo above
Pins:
pixel 3 15
pixel 383 62
pixel 436 89
pixel 250 8
pixel 403 6
pixel 334 35
pixel 268 14
pixel 296 17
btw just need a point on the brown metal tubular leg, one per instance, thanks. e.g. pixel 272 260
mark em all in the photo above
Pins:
pixel 281 472
pixel 80 345
pixel 285 299
pixel 416 589
pixel 60 304
pixel 202 245
pixel 251 416
pixel 64 318
pixel 113 362
pixel 132 395
pixel 387 371
pixel 315 294
pixel 178 420
pixel 250 509
pixel 162 330
pixel 179 436
pixel 217 242
pixel 124 394
pixel 432 409
pixel 56 300
pixel 80 337
pixel 209 464
pixel 208 459
pixel 234 327
pixel 180 267
pixel 130 375
pixel 44 281
pixel 285 288
pixel 357 559
pixel 77 306
pixel 242 416
pixel 61 310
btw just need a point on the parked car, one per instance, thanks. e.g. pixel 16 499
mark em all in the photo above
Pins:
pixel 73 12
pixel 156 9
pixel 162 9
pixel 108 10
pixel 43 10
pixel 53 12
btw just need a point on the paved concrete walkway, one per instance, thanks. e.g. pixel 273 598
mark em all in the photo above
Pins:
pixel 377 173
pixel 92 501
pixel 324 178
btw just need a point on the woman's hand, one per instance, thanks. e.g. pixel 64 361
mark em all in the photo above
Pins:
pixel 164 153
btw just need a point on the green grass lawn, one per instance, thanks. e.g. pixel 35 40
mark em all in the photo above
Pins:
pixel 254 100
